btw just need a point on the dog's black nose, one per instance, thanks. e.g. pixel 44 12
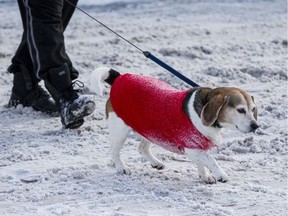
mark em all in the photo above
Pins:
pixel 254 125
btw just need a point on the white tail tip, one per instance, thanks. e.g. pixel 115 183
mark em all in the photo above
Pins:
pixel 96 78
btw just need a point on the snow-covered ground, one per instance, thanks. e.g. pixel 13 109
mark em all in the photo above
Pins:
pixel 45 170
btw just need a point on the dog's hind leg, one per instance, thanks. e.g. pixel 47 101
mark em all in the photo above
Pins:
pixel 118 132
pixel 144 149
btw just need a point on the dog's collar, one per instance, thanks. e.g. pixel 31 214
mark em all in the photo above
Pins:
pixel 217 124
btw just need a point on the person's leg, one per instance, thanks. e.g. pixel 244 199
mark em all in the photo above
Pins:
pixel 67 12
pixel 45 34
pixel 22 55
pixel 25 90
pixel 47 50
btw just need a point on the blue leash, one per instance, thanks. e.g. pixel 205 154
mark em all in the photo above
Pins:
pixel 170 69
pixel 146 53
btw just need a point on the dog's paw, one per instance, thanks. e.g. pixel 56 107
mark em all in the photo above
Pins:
pixel 124 170
pixel 223 179
pixel 158 166
pixel 208 179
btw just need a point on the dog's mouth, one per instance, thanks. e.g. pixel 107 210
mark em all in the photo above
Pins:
pixel 246 131
pixel 241 130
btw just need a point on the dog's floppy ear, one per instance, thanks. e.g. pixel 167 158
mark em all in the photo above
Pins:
pixel 255 114
pixel 211 110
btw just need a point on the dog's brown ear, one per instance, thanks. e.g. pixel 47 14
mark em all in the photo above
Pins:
pixel 255 114
pixel 211 110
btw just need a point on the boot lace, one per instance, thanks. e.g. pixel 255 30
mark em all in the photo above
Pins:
pixel 72 93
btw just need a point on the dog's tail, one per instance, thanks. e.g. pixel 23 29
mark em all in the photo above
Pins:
pixel 102 74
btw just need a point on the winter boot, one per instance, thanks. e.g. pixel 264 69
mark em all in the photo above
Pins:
pixel 72 106
pixel 28 93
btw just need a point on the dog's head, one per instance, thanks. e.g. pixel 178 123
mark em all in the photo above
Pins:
pixel 230 108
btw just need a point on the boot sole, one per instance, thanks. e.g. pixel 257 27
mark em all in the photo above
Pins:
pixel 75 124
pixel 79 121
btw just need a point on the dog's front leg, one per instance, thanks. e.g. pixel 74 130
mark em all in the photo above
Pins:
pixel 205 175
pixel 203 159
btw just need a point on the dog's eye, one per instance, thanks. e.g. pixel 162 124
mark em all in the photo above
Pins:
pixel 253 110
pixel 241 110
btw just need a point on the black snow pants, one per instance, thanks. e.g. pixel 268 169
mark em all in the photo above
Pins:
pixel 42 46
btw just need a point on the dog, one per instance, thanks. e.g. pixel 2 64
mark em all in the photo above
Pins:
pixel 187 122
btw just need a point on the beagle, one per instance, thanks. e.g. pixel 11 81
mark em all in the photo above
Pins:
pixel 186 122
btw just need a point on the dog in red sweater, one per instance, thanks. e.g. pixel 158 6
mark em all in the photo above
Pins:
pixel 186 122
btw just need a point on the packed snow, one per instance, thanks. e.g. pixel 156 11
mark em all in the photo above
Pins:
pixel 47 170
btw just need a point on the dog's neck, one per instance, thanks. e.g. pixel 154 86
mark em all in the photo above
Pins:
pixel 193 109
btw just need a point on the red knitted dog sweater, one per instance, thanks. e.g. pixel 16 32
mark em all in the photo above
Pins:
pixel 154 109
